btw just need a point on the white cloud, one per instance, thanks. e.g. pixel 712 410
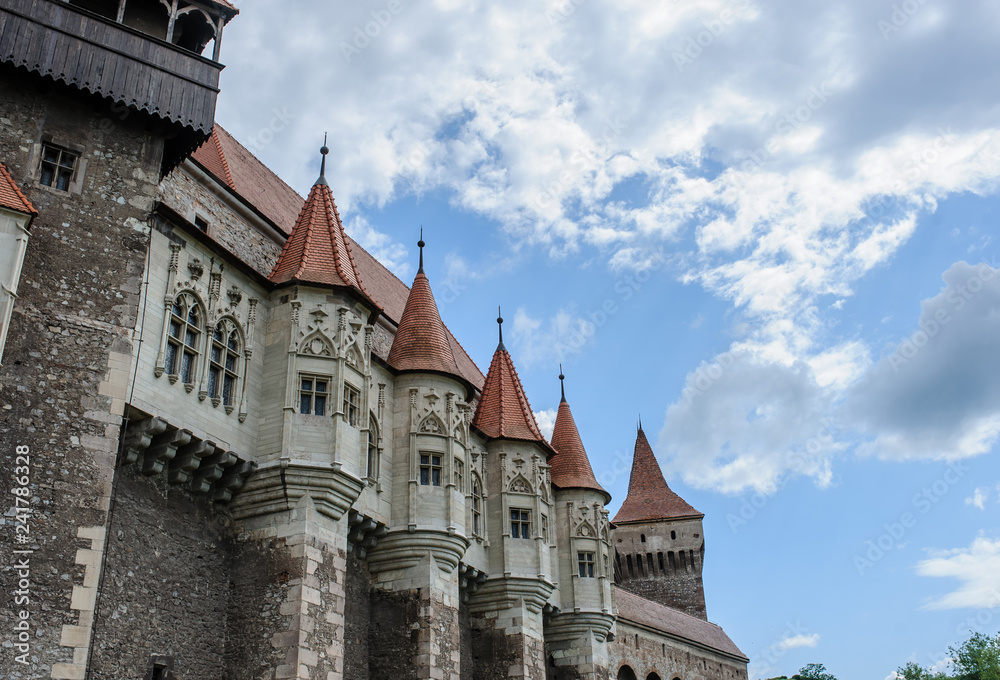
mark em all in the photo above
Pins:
pixel 383 247
pixel 561 336
pixel 546 421
pixel 978 498
pixel 796 641
pixel 976 567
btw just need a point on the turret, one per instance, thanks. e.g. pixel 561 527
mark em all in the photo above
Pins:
pixel 659 539
pixel 576 635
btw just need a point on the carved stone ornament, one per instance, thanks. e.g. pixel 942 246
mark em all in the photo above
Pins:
pixel 235 296
pixel 196 268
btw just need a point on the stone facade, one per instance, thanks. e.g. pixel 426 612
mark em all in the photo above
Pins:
pixel 229 479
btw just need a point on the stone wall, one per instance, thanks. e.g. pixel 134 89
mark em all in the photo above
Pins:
pixel 67 361
pixel 648 652
pixel 394 634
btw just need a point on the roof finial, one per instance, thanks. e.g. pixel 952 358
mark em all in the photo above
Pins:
pixel 421 244
pixel 562 385
pixel 640 422
pixel 322 168
pixel 500 325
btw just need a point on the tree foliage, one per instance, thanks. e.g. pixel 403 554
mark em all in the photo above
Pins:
pixel 978 658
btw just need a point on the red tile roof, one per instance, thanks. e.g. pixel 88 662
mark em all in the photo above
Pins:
pixel 11 196
pixel 571 466
pixel 421 342
pixel 653 615
pixel 503 411
pixel 649 498
pixel 254 182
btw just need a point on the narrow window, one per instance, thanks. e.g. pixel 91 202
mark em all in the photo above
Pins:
pixel 642 537
pixel 670 559
pixel 673 535
pixel 585 560
pixel 223 371
pixel 58 166
pixel 313 393
pixel 372 448
pixel 430 470
pixel 201 223
pixel 459 475
pixel 183 333
pixel 649 561
pixel 639 565
pixel 352 408
pixel 659 556
pixel 637 641
pixel 520 523
pixel 628 563
pixel 477 507
pixel 544 521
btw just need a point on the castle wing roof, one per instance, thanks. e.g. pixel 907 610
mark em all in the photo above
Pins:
pixel 571 466
pixel 649 498
pixel 256 185
pixel 653 615
pixel 421 342
pixel 503 411
pixel 11 196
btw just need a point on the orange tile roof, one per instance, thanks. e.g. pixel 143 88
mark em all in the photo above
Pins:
pixel 571 466
pixel 11 196
pixel 503 411
pixel 649 498
pixel 257 185
pixel 653 615
pixel 421 342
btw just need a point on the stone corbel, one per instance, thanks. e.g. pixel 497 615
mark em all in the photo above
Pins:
pixel 139 436
pixel 211 469
pixel 196 269
pixel 162 450
pixel 188 459
pixel 232 480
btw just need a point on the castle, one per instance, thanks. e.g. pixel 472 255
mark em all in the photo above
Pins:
pixel 241 448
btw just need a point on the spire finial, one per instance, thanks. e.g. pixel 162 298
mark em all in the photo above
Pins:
pixel 562 385
pixel 324 150
pixel 421 244
pixel 500 326
pixel 640 422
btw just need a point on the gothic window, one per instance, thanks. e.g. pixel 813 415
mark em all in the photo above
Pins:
pixel 544 521
pixel 183 337
pixel 430 470
pixel 373 461
pixel 58 167
pixel 313 393
pixel 460 475
pixel 352 405
pixel 477 507
pixel 585 560
pixel 223 368
pixel 520 523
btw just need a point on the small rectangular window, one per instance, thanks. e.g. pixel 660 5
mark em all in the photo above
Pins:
pixel 352 405
pixel 544 521
pixel 430 470
pixel 460 475
pixel 520 523
pixel 201 223
pixel 58 166
pixel 313 393
pixel 586 563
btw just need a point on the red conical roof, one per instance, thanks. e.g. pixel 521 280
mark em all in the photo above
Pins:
pixel 570 466
pixel 421 342
pixel 649 498
pixel 503 411
pixel 11 196
pixel 317 250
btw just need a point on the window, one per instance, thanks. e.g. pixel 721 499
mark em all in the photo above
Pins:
pixel 459 475
pixel 352 408
pixel 430 470
pixel 183 333
pixel 544 522
pixel 201 223
pixel 223 368
pixel 673 535
pixel 642 537
pixel 520 523
pixel 372 448
pixel 586 563
pixel 477 507
pixel 313 392
pixel 58 166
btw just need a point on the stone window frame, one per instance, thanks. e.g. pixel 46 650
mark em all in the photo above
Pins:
pixel 374 460
pixel 430 469
pixel 312 393
pixel 79 170
pixel 476 506
pixel 585 561
pixel 458 474
pixel 520 525
pixel 238 371
pixel 352 407
pixel 176 346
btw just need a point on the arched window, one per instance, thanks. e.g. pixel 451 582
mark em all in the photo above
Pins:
pixel 183 339
pixel 373 461
pixel 224 364
pixel 477 506
pixel 626 673
pixel 653 676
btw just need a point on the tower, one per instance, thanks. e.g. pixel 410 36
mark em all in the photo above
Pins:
pixel 98 98
pixel 659 539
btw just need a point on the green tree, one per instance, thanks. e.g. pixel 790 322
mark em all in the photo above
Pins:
pixel 913 671
pixel 817 671
pixel 978 658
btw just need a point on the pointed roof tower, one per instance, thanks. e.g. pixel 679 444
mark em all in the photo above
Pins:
pixel 649 498
pixel 571 466
pixel 421 342
pixel 317 250
pixel 503 411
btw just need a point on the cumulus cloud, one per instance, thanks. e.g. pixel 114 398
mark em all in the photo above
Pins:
pixel 978 498
pixel 383 247
pixel 546 421
pixel 796 641
pixel 937 394
pixel 550 341
pixel 976 567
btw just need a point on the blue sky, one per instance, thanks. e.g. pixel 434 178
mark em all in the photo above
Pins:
pixel 767 227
